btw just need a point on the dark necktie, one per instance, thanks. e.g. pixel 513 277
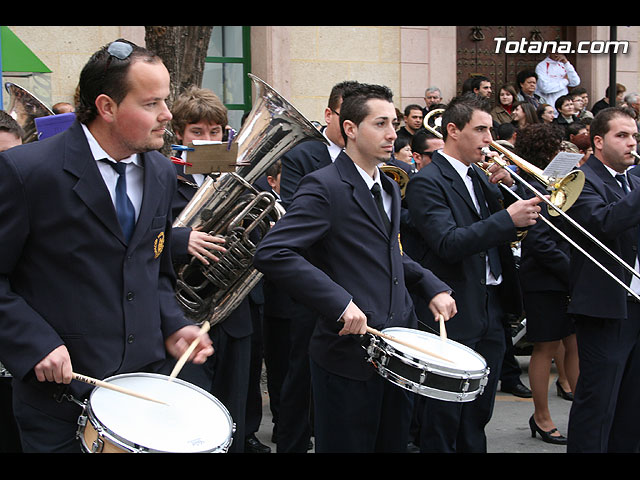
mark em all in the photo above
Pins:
pixel 623 182
pixel 124 208
pixel 494 258
pixel 377 196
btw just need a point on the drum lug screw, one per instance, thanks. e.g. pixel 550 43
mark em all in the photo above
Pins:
pixel 97 445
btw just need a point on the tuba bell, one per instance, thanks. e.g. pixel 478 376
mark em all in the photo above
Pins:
pixel 227 205
pixel 24 107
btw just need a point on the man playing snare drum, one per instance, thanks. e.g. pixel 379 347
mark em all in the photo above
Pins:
pixel 334 253
pixel 86 287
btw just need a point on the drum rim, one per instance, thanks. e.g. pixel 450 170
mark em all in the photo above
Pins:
pixel 131 446
pixel 471 372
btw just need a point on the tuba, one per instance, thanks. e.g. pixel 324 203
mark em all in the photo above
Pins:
pixel 227 205
pixel 24 107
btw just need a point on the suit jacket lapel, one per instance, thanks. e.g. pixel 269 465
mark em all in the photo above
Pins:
pixel 90 186
pixel 361 193
pixel 457 184
pixel 154 190
pixel 607 179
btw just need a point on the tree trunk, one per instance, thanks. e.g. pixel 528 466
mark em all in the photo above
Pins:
pixel 183 50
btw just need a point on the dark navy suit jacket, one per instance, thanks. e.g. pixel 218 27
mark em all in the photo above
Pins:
pixel 455 241
pixel 613 218
pixel 302 159
pixel 544 264
pixel 68 277
pixel 331 247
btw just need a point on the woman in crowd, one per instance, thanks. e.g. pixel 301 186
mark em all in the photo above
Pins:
pixel 545 113
pixel 544 269
pixel 524 114
pixel 501 113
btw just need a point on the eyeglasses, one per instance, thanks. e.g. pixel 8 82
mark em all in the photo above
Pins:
pixel 428 154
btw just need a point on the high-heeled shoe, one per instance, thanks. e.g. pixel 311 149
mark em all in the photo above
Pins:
pixel 547 437
pixel 563 393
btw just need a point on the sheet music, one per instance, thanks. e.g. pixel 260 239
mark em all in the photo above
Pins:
pixel 562 164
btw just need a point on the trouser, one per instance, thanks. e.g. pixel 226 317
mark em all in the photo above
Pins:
pixel 603 416
pixel 449 427
pixel 359 416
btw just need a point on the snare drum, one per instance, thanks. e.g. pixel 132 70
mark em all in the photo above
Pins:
pixel 4 372
pixel 461 379
pixel 193 421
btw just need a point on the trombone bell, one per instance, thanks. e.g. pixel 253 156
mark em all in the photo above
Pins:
pixel 566 191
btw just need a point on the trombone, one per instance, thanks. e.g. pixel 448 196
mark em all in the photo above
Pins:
pixel 564 193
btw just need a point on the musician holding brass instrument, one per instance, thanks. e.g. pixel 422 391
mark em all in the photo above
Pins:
pixel 334 253
pixel 199 115
pixel 86 285
pixel 467 244
pixel 603 416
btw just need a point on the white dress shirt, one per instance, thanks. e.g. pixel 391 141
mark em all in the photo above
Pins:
pixel 135 172
pixel 462 170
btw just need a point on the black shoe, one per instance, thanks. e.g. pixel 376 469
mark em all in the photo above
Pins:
pixel 563 393
pixel 547 437
pixel 253 445
pixel 519 390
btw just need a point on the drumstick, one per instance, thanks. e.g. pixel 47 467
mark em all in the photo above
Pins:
pixel 109 386
pixel 443 330
pixel 183 359
pixel 406 344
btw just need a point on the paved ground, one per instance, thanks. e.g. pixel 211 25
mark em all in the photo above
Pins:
pixel 508 431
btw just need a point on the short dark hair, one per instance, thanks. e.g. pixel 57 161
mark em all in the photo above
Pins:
pixel 562 99
pixel 274 169
pixel 600 124
pixel 409 108
pixel 477 81
pixel 10 125
pixel 505 131
pixel 420 138
pixel 522 75
pixel 460 110
pixel 354 104
pixel 107 74
pixel 337 93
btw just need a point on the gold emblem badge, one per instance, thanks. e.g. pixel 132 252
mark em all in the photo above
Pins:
pixel 400 245
pixel 158 244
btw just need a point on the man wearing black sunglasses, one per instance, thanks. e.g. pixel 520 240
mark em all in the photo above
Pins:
pixel 85 278
pixel 423 145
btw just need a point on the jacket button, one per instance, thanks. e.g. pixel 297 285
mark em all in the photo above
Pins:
pixel 130 338
pixel 130 296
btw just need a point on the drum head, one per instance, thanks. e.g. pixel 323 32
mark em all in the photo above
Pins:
pixel 193 421
pixel 460 357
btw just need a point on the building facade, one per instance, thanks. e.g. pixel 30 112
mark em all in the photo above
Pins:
pixel 304 62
